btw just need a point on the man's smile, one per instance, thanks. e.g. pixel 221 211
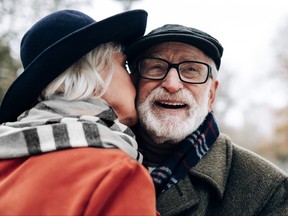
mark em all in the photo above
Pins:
pixel 170 105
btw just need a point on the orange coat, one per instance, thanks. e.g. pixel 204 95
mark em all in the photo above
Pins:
pixel 79 181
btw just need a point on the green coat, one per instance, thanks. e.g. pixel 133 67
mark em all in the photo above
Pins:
pixel 229 180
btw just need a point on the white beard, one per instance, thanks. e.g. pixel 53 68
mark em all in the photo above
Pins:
pixel 171 128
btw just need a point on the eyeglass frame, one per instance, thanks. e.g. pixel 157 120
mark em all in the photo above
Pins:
pixel 176 66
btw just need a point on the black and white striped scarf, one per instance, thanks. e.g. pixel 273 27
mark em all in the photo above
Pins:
pixel 57 124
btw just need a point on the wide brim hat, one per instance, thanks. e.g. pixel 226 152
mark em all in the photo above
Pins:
pixel 56 42
pixel 177 33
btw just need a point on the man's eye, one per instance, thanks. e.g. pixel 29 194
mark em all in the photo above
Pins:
pixel 157 67
pixel 187 69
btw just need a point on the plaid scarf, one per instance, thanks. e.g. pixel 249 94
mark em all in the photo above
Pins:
pixel 188 153
pixel 55 125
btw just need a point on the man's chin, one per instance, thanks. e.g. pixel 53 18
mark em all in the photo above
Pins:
pixel 172 131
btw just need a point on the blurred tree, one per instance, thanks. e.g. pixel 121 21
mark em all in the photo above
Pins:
pixel 281 131
pixel 225 99
pixel 281 43
pixel 277 148
pixel 16 16
pixel 8 68
pixel 282 135
pixel 281 48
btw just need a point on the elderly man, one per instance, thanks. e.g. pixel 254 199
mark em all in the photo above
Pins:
pixel 196 170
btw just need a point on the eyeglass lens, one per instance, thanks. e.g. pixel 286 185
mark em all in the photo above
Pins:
pixel 189 71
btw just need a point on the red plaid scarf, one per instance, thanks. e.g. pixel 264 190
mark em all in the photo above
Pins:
pixel 187 154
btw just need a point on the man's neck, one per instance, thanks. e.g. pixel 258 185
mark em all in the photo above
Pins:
pixel 153 153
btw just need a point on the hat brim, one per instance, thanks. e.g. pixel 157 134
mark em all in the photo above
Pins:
pixel 144 43
pixel 54 60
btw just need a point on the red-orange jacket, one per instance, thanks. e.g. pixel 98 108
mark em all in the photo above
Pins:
pixel 79 181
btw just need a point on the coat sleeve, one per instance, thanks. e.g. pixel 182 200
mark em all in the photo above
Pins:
pixel 278 203
pixel 127 189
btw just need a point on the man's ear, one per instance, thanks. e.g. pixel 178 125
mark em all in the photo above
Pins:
pixel 212 95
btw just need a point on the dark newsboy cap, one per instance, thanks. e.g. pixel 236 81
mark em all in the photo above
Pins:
pixel 178 33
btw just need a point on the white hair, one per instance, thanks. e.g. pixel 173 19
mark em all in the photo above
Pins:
pixel 214 70
pixel 89 77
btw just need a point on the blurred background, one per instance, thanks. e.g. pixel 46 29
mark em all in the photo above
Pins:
pixel 252 103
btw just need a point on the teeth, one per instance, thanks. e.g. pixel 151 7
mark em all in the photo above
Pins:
pixel 172 104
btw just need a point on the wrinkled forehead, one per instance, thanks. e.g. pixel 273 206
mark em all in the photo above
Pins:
pixel 175 51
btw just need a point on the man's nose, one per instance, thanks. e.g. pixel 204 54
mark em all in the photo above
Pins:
pixel 172 82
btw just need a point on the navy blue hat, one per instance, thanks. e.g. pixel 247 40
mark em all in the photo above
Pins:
pixel 56 42
pixel 177 33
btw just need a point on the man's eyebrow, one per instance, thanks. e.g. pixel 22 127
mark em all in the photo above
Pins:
pixel 185 57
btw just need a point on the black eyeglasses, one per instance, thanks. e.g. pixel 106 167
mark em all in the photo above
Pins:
pixel 192 72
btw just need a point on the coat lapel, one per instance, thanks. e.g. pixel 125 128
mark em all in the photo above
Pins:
pixel 178 198
pixel 213 169
pixel 215 166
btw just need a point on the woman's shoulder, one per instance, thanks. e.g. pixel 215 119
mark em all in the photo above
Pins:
pixel 84 159
pixel 69 178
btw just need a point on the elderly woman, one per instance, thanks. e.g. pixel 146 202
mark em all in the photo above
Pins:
pixel 65 143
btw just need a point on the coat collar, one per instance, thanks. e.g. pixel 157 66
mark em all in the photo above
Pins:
pixel 215 166
pixel 212 169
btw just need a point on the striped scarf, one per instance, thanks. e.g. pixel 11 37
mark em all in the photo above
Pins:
pixel 57 124
pixel 188 153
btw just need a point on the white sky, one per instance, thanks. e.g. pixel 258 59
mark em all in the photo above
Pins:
pixel 246 28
